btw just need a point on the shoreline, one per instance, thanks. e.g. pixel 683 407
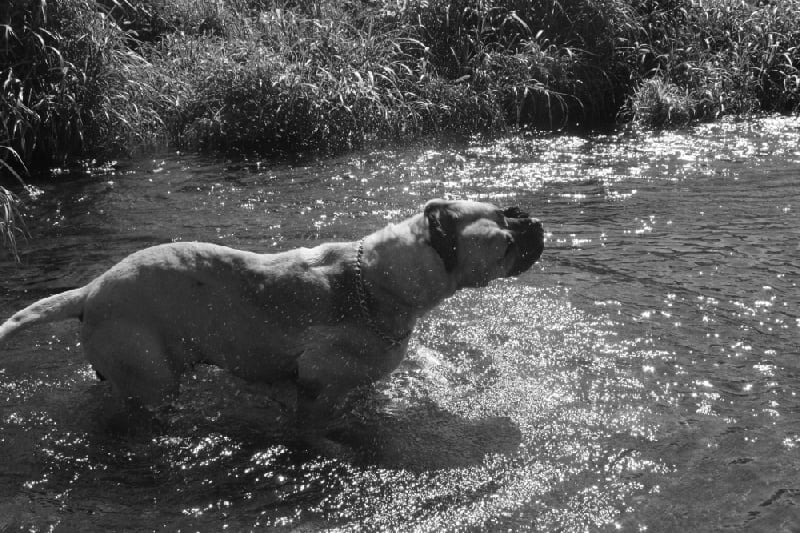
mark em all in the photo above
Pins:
pixel 99 80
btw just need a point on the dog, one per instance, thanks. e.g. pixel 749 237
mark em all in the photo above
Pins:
pixel 325 320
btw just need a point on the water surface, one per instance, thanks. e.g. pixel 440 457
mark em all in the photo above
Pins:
pixel 643 377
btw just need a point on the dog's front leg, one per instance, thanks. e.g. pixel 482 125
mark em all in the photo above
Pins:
pixel 325 377
pixel 319 415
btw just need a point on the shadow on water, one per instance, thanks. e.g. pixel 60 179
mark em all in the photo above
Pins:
pixel 376 433
pixel 426 438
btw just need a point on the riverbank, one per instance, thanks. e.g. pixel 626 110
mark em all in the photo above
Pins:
pixel 86 78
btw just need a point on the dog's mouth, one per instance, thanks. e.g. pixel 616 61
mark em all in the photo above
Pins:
pixel 528 244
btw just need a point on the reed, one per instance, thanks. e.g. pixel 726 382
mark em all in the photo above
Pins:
pixel 550 64
pixel 102 78
pixel 724 56
pixel 11 223
pixel 292 83
pixel 659 104
pixel 72 85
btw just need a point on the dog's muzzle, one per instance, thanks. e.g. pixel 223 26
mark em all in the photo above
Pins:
pixel 529 238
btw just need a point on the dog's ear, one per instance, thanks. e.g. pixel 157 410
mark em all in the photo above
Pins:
pixel 442 230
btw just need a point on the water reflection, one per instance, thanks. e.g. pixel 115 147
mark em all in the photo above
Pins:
pixel 644 375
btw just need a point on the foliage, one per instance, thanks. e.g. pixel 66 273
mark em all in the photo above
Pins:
pixel 659 104
pixel 729 56
pixel 71 84
pixel 295 83
pixel 100 78
pixel 548 63
pixel 11 223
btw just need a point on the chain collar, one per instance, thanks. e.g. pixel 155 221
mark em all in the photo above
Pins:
pixel 366 315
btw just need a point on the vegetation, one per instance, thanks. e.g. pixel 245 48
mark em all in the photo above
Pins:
pixel 10 222
pixel 704 59
pixel 103 77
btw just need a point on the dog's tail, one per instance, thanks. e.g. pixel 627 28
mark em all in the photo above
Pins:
pixel 60 306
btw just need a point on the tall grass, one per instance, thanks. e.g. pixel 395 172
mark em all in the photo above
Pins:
pixel 723 56
pixel 100 78
pixel 659 104
pixel 548 63
pixel 332 76
pixel 292 83
pixel 72 85
pixel 11 223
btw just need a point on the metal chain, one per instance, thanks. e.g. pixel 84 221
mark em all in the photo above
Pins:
pixel 361 292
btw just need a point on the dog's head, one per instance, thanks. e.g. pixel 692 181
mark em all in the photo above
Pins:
pixel 479 242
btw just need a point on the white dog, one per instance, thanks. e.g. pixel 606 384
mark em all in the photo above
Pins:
pixel 325 319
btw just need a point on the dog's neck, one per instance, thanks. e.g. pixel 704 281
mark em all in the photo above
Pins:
pixel 402 288
pixel 367 314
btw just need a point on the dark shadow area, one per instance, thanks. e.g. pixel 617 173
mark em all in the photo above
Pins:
pixel 426 437
pixel 418 438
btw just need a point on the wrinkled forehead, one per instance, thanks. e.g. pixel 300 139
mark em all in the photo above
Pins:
pixel 486 214
pixel 468 211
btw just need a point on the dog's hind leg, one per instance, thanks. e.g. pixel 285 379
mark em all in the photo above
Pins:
pixel 134 359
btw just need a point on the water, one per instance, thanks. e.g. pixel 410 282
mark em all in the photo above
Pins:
pixel 643 377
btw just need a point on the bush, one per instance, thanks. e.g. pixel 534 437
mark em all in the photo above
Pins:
pixel 660 104
pixel 728 56
pixel 294 84
pixel 102 78
pixel 11 223
pixel 72 85
pixel 548 63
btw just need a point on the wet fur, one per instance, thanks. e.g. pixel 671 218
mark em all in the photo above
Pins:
pixel 290 317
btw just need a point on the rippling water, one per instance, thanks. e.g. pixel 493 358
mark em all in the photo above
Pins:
pixel 643 377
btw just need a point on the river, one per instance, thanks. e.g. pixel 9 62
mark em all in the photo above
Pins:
pixel 644 376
